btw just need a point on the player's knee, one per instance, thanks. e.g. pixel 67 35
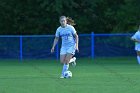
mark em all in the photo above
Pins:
pixel 67 60
pixel 62 61
pixel 138 53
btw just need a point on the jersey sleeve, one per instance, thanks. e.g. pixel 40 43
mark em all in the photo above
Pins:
pixel 134 36
pixel 57 33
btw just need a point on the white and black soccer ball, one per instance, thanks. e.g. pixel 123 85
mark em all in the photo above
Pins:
pixel 67 74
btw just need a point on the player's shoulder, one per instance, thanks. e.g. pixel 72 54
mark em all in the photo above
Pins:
pixel 70 27
pixel 58 29
pixel 138 32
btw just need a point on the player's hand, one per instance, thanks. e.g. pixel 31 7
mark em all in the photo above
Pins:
pixel 52 50
pixel 138 41
pixel 77 49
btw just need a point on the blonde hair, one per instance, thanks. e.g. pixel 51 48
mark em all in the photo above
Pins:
pixel 70 21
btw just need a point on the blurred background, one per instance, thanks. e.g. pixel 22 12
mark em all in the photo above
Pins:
pixel 38 17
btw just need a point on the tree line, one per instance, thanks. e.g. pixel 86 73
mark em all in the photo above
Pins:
pixel 29 17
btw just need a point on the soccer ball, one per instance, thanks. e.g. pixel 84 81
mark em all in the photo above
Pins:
pixel 67 74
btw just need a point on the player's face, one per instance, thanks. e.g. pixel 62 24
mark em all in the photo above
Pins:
pixel 63 22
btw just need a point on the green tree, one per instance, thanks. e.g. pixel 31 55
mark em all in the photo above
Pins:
pixel 42 16
pixel 128 16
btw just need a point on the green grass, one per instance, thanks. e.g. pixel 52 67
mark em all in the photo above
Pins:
pixel 101 75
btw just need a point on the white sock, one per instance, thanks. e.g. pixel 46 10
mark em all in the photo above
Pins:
pixel 138 58
pixel 71 60
pixel 65 68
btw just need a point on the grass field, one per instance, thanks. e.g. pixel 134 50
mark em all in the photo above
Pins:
pixel 104 75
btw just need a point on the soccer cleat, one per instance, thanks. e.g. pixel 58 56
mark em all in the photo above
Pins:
pixel 61 76
pixel 74 62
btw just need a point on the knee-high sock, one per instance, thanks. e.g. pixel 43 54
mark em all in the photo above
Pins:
pixel 71 60
pixel 138 58
pixel 65 68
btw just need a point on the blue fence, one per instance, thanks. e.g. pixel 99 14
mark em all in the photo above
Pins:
pixel 90 45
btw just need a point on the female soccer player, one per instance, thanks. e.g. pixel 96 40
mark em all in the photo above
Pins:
pixel 136 39
pixel 69 43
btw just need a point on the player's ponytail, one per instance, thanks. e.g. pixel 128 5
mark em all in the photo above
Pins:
pixel 70 21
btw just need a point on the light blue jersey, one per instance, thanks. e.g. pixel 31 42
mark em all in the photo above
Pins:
pixel 67 35
pixel 137 37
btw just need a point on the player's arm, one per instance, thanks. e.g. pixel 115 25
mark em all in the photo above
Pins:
pixel 77 41
pixel 54 44
pixel 135 40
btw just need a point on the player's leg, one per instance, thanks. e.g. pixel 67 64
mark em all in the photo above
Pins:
pixel 72 59
pixel 71 51
pixel 137 48
pixel 74 62
pixel 66 64
pixel 62 60
pixel 138 56
pixel 68 57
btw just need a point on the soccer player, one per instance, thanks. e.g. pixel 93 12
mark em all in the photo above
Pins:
pixel 69 43
pixel 136 39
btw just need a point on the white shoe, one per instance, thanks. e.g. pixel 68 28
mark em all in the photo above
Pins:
pixel 61 76
pixel 74 62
